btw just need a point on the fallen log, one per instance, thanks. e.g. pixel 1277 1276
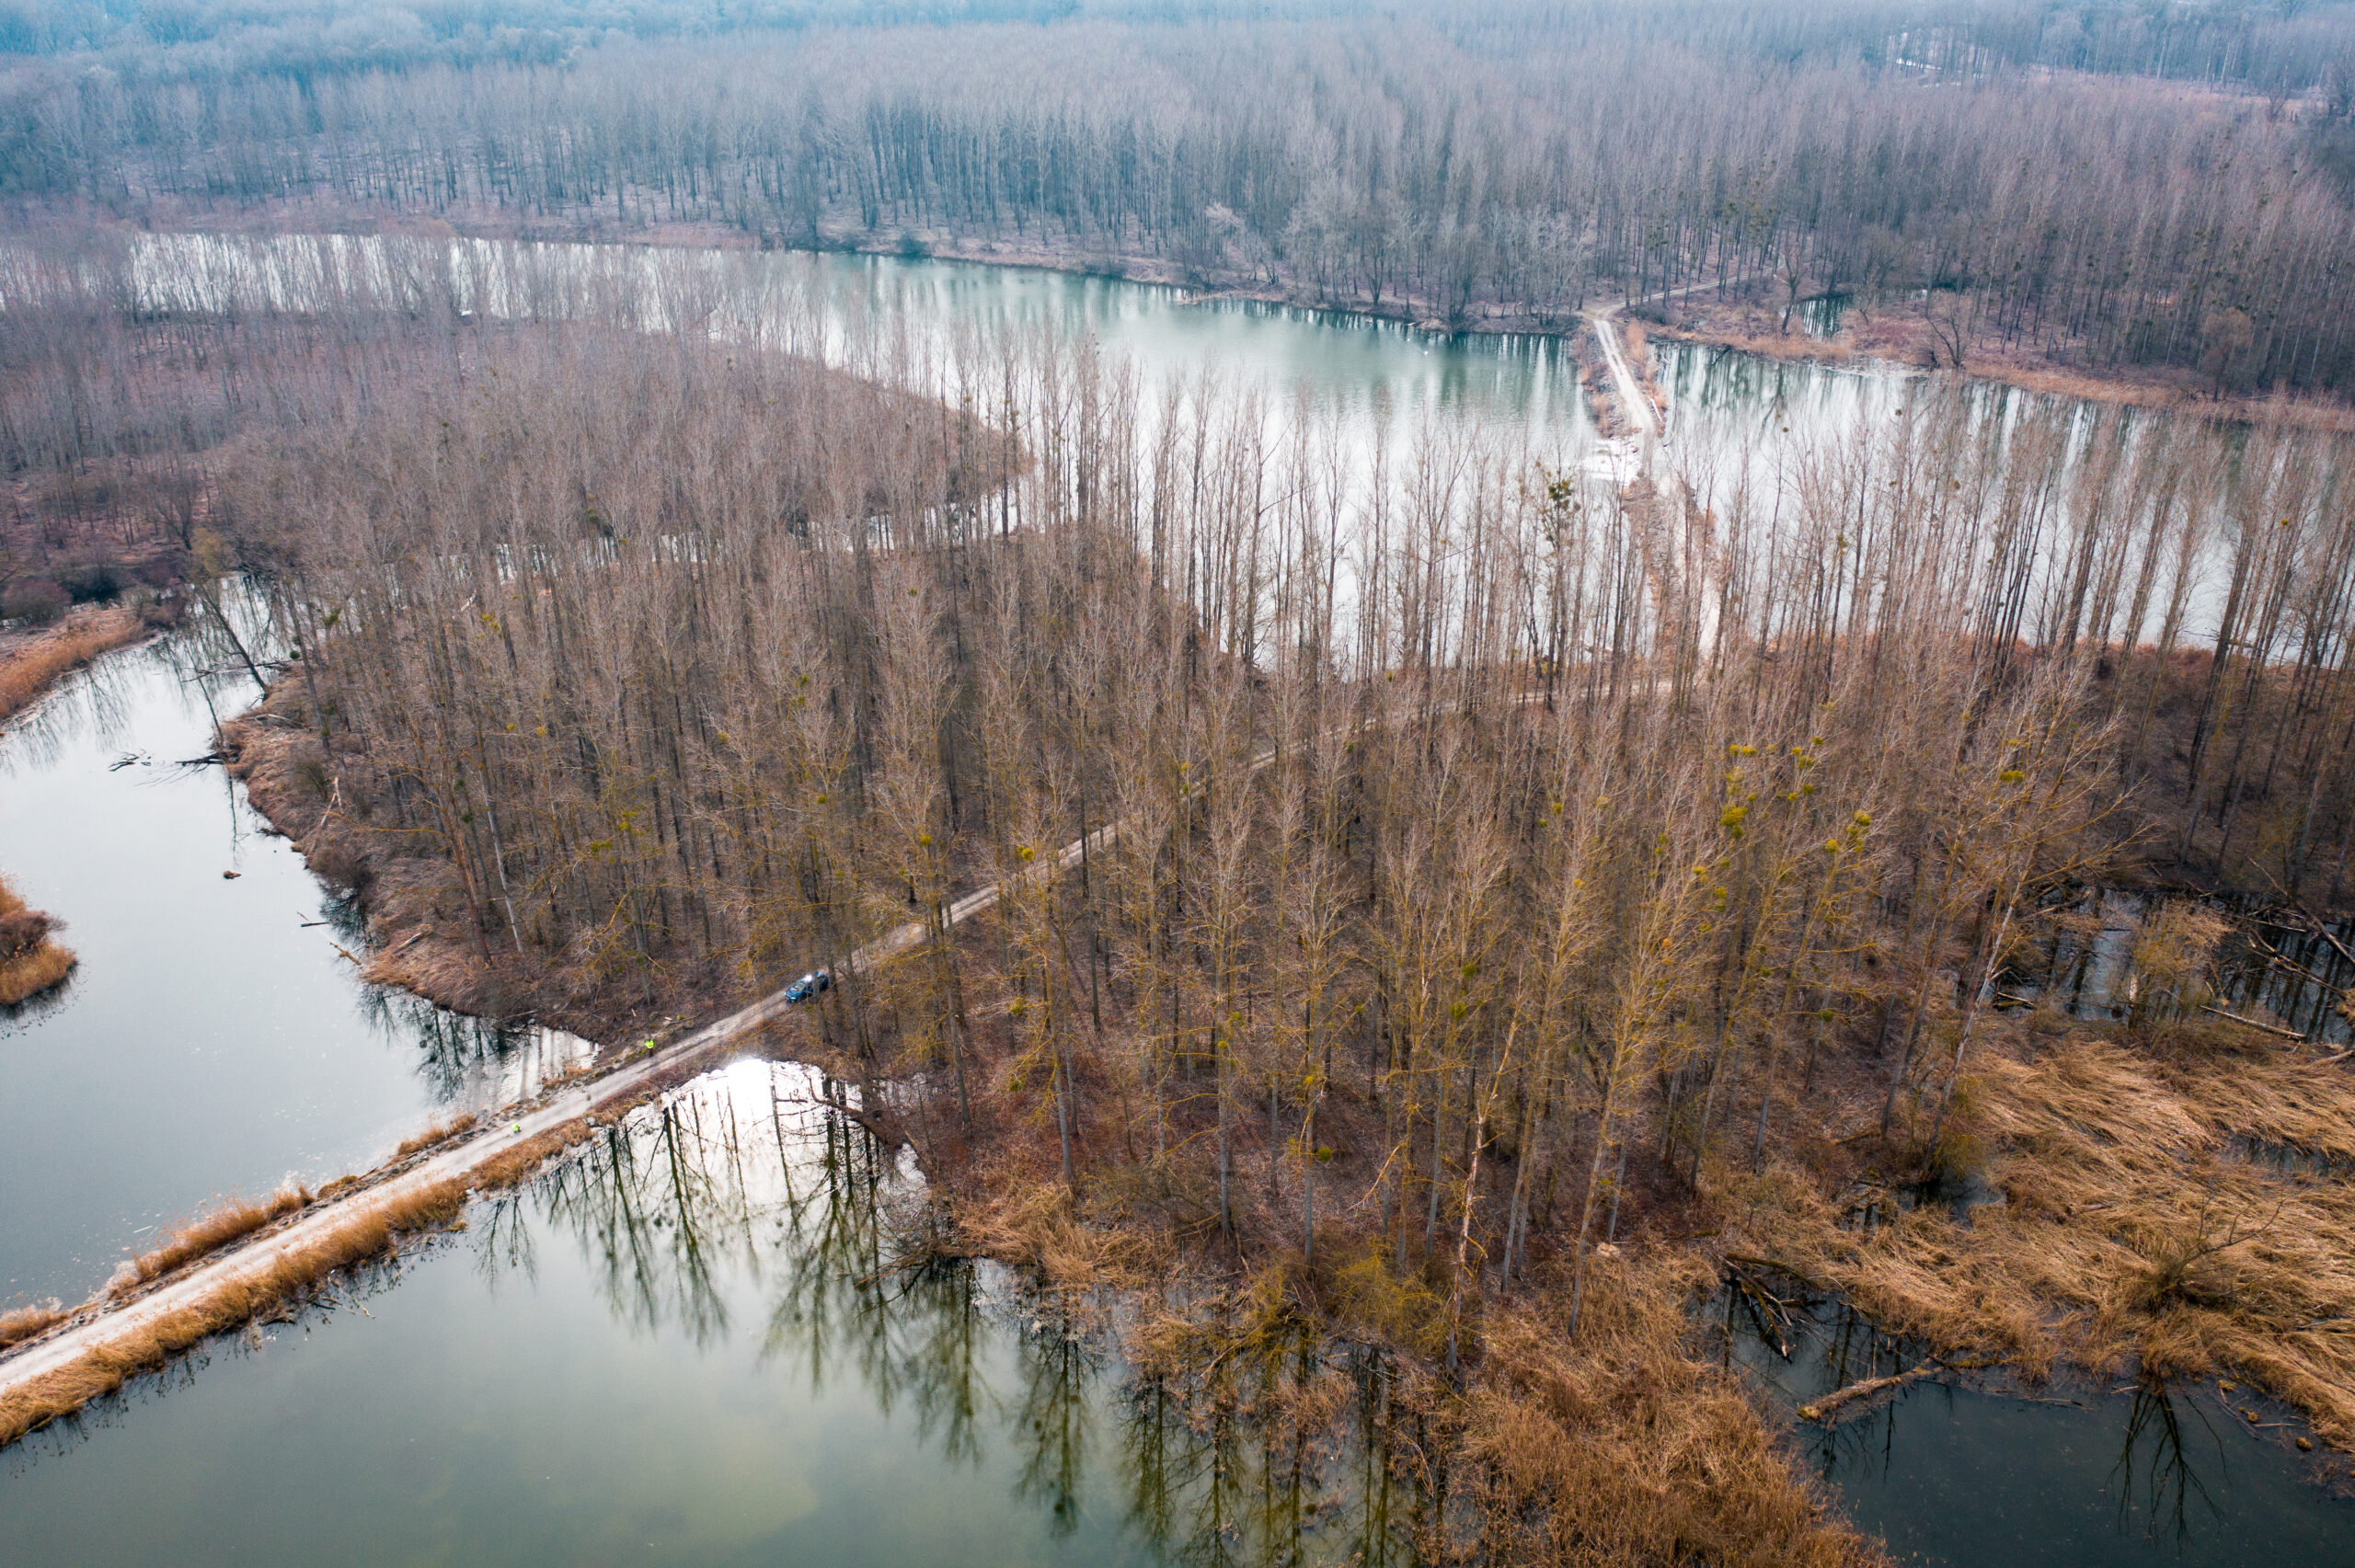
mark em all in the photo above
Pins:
pixel 1826 1408
pixel 2254 1024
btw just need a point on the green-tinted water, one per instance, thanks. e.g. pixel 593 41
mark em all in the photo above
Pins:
pixel 685 1346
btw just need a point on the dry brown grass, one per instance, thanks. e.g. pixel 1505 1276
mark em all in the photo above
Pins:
pixel 1035 1224
pixel 28 975
pixel 26 1321
pixel 512 1166
pixel 30 960
pixel 239 1298
pixel 439 1132
pixel 2135 1225
pixel 1624 1449
pixel 1792 347
pixel 231 1219
pixel 1646 367
pixel 28 670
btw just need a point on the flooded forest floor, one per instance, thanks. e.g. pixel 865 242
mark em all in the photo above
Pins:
pixel 2159 1199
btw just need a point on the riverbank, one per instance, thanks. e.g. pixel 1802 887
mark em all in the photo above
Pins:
pixel 34 660
pixel 1885 337
pixel 408 896
pixel 1893 338
pixel 1307 1050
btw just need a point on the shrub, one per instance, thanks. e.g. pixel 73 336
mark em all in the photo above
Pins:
pixel 36 601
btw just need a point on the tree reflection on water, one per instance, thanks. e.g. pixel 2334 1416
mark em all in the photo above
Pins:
pixel 1957 1471
pixel 754 1173
pixel 2157 1454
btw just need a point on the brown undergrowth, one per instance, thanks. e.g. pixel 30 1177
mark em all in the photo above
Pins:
pixel 31 960
pixel 1621 1446
pixel 239 1297
pixel 2174 1198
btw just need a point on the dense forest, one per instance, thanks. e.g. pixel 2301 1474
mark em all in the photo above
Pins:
pixel 2110 187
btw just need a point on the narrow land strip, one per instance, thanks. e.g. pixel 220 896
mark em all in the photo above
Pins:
pixel 85 1356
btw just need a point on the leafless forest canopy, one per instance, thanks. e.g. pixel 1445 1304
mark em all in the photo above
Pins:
pixel 2161 186
pixel 1512 901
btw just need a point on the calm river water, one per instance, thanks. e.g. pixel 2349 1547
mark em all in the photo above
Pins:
pixel 682 1345
pixel 212 1040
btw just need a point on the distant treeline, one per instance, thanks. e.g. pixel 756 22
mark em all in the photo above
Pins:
pixel 2288 47
pixel 1501 165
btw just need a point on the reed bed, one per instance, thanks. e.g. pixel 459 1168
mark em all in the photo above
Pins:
pixel 239 1297
pixel 2164 1206
pixel 231 1221
pixel 24 1322
pixel 31 959
pixel 1623 1448
pixel 1028 1221
pixel 439 1132
pixel 27 672
pixel 26 976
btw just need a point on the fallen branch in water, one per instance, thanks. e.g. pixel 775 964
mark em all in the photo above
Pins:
pixel 1824 1409
pixel 1749 1261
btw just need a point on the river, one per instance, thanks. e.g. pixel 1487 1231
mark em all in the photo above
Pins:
pixel 214 1040
pixel 685 1346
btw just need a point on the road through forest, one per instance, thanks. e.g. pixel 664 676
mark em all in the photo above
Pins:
pixel 104 1320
